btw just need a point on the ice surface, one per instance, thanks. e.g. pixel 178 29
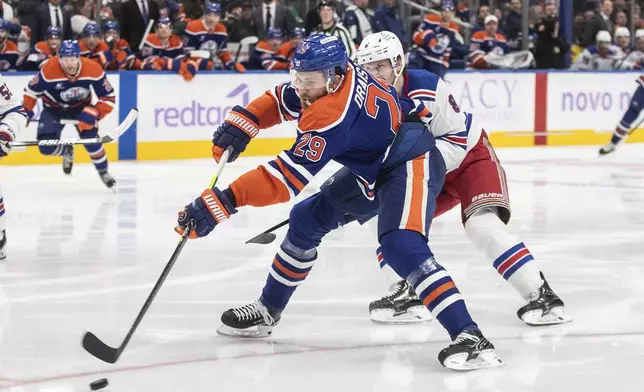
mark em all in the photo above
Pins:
pixel 81 258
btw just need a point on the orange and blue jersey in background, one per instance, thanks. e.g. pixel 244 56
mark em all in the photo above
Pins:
pixel 198 36
pixel 286 51
pixel 101 54
pixel 154 50
pixel 8 55
pixel 40 53
pixel 264 57
pixel 483 43
pixel 68 95
pixel 433 44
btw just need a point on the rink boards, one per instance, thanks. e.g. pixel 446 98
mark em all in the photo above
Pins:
pixel 517 109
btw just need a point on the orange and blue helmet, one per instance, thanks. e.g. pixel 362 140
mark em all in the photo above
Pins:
pixel 274 32
pixel 91 29
pixel 112 25
pixel 321 52
pixel 213 8
pixel 69 48
pixel 53 32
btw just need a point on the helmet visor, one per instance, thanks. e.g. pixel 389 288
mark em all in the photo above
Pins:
pixel 307 80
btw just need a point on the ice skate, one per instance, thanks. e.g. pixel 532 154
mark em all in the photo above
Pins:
pixel 68 159
pixel 107 179
pixel 400 306
pixel 249 321
pixel 3 243
pixel 608 148
pixel 470 351
pixel 545 308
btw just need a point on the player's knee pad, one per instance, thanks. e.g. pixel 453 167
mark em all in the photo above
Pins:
pixel 484 227
pixel 404 250
pixel 310 220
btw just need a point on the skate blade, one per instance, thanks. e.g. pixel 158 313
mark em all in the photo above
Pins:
pixel 486 359
pixel 248 333
pixel 556 315
pixel 413 315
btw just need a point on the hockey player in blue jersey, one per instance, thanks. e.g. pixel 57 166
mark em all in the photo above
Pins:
pixel 65 84
pixel 625 126
pixel 347 116
pixel 475 180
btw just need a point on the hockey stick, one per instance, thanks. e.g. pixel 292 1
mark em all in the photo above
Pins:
pixel 105 353
pixel 120 129
pixel 268 236
pixel 247 41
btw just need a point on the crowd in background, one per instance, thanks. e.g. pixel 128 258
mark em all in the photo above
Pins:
pixel 452 35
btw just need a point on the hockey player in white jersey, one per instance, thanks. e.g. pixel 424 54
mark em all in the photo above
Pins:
pixel 635 59
pixel 475 180
pixel 13 120
pixel 601 56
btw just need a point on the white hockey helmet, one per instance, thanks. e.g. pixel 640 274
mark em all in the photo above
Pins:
pixel 622 32
pixel 382 46
pixel 603 36
pixel 639 33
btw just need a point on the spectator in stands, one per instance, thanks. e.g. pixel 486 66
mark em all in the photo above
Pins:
pixel 551 48
pixel 601 56
pixel 578 29
pixel 51 14
pixel 328 26
pixel 463 11
pixel 82 14
pixel 386 19
pixel 621 20
pixel 358 19
pixel 601 21
pixel 512 25
pixel 242 26
pixel 135 16
pixel 487 41
pixel 8 50
pixel 271 14
pixel 623 39
pixel 484 11
pixel 6 12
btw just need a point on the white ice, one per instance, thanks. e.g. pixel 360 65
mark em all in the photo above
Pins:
pixel 82 258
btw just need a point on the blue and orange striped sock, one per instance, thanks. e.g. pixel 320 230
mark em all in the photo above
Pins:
pixel 289 269
pixel 435 287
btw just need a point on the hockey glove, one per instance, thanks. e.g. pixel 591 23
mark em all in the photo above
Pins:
pixel 88 118
pixel 207 211
pixel 235 66
pixel 188 69
pixel 239 127
pixel 6 136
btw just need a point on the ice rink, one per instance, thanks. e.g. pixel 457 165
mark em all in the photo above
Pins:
pixel 83 258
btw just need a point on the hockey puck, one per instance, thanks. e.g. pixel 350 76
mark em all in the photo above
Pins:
pixel 98 384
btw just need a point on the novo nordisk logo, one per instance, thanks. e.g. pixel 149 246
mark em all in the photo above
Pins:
pixel 203 114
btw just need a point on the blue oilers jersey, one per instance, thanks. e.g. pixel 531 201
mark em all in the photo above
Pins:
pixel 198 36
pixel 60 92
pixel 355 126
pixel 455 131
pixel 8 56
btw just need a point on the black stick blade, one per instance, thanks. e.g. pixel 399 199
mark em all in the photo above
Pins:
pixel 100 350
pixel 262 239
